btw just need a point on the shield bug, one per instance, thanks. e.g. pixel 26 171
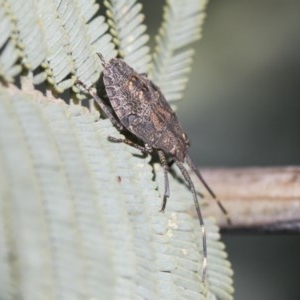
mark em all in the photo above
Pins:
pixel 137 105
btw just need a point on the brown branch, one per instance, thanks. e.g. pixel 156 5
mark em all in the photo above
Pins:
pixel 264 199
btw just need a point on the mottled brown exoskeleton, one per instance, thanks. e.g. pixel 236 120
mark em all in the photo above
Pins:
pixel 138 105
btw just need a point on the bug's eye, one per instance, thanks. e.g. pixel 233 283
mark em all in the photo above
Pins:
pixel 144 88
pixel 133 78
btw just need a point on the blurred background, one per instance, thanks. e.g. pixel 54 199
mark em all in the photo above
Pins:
pixel 242 108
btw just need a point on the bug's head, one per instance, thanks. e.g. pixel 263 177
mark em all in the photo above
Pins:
pixel 117 70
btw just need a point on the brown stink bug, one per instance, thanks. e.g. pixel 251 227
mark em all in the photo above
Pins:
pixel 137 105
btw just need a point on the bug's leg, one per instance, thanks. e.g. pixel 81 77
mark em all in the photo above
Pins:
pixel 145 149
pixel 198 210
pixel 171 162
pixel 164 163
pixel 103 107
pixel 144 74
pixel 213 195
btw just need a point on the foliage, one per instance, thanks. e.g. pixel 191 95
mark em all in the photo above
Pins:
pixel 79 215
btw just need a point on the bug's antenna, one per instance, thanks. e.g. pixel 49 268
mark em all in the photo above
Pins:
pixel 100 102
pixel 200 218
pixel 210 191
pixel 164 163
pixel 102 59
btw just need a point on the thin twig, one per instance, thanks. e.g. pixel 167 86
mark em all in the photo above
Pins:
pixel 257 199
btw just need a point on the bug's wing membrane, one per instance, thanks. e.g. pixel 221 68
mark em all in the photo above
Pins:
pixel 172 132
pixel 144 128
pixel 149 114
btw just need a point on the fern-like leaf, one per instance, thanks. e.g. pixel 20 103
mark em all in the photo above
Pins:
pixel 185 249
pixel 81 209
pixel 126 22
pixel 30 36
pixel 57 40
pixel 8 44
pixel 172 60
pixel 91 215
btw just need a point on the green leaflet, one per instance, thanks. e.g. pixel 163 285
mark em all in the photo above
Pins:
pixel 79 216
pixel 55 40
pixel 75 208
pixel 126 25
pixel 172 59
